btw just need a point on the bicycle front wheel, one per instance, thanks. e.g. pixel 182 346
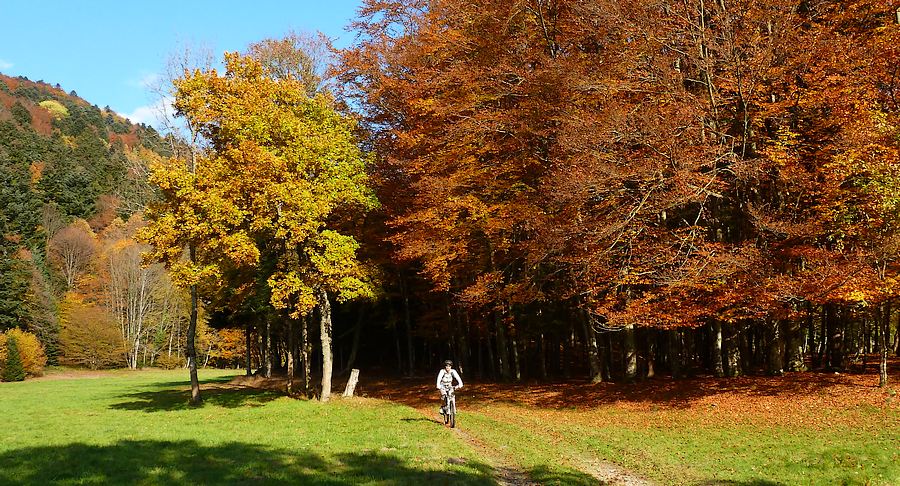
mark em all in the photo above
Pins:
pixel 453 414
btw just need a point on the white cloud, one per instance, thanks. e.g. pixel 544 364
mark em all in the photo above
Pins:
pixel 5 64
pixel 145 81
pixel 153 115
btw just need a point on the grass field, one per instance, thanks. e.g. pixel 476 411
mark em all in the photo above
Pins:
pixel 125 427
pixel 136 428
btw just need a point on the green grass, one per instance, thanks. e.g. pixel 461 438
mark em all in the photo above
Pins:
pixel 689 451
pixel 136 428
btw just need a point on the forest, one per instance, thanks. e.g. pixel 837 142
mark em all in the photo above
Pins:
pixel 536 189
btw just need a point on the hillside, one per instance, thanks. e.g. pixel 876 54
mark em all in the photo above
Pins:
pixel 61 158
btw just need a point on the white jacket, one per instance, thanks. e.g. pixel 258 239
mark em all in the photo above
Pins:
pixel 444 376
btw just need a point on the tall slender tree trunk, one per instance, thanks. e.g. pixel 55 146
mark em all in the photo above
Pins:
pixel 822 346
pixel 327 358
pixel 543 356
pixel 629 349
pixel 593 351
pixel 775 348
pixel 502 348
pixel 267 344
pixel 407 322
pixel 514 341
pixel 675 353
pixel 354 347
pixel 191 350
pixel 305 353
pixel 835 338
pixel 463 352
pixel 717 362
pixel 491 361
pixel 651 352
pixel 794 345
pixel 247 356
pixel 290 355
pixel 885 331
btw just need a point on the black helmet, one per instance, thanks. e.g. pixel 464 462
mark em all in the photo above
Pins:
pixel 448 363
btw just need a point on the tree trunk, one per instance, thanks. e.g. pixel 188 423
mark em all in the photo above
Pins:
pixel 717 363
pixel 514 342
pixel 407 321
pixel 267 343
pixel 196 399
pixel 775 348
pixel 392 317
pixel 248 362
pixel 490 351
pixel 675 353
pixel 351 383
pixel 325 329
pixel 290 356
pixel 835 338
pixel 305 353
pixel 629 350
pixel 543 356
pixel 885 331
pixel 502 348
pixel 794 345
pixel 593 352
pixel 354 348
pixel 651 352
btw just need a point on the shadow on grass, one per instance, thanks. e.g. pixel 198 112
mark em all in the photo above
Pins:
pixel 187 381
pixel 219 395
pixel 187 462
pixel 420 419
pixel 544 475
pixel 752 482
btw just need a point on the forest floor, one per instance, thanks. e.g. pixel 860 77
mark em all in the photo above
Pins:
pixel 800 428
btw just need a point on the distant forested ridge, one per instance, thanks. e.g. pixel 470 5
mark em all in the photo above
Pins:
pixel 62 161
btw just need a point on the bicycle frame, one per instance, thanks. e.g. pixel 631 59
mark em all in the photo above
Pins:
pixel 449 398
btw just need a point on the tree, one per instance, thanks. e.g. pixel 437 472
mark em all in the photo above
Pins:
pixel 656 165
pixel 12 369
pixel 30 352
pixel 89 336
pixel 297 56
pixel 72 249
pixel 292 169
pixel 173 229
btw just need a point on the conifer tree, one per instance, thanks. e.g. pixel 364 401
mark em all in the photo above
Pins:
pixel 13 370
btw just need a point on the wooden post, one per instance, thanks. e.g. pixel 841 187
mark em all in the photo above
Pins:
pixel 351 383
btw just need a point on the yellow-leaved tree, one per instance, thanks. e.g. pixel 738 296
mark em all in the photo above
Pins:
pixel 283 170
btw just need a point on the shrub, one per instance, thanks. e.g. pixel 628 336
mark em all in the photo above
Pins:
pixel 28 346
pixel 89 337
pixel 168 362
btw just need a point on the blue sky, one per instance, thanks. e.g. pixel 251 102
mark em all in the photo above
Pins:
pixel 108 51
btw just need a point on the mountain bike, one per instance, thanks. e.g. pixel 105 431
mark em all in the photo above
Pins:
pixel 448 403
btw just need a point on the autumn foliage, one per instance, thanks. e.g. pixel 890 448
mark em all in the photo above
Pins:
pixel 31 353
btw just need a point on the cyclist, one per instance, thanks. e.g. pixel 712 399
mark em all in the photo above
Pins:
pixel 445 380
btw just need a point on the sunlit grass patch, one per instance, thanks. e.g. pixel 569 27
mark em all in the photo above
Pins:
pixel 126 428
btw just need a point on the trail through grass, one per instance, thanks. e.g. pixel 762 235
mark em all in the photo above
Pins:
pixel 804 428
